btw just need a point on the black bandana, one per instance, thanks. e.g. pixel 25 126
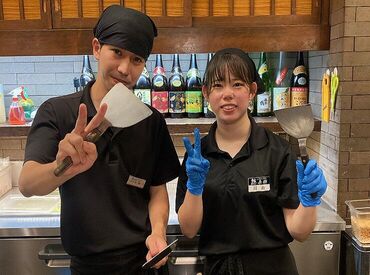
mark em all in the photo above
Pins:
pixel 127 29
pixel 250 64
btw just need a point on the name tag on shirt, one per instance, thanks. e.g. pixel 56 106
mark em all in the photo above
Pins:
pixel 259 184
pixel 136 182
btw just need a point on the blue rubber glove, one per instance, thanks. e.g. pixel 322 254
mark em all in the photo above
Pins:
pixel 196 166
pixel 310 180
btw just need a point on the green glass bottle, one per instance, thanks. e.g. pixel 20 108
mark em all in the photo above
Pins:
pixel 264 99
pixel 193 94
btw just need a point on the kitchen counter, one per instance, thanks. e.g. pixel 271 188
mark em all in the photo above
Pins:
pixel 15 222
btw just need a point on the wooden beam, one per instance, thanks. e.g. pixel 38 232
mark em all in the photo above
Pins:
pixel 183 40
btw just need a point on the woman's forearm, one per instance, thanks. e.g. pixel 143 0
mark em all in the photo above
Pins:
pixel 300 222
pixel 191 214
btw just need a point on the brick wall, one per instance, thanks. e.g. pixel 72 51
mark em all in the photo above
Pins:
pixel 350 126
pixel 12 147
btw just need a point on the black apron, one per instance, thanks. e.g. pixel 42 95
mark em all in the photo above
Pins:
pixel 279 261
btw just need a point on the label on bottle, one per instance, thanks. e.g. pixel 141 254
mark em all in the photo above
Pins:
pixel 262 69
pixel 159 70
pixel 176 83
pixel 264 103
pixel 299 96
pixel 145 73
pixel 144 95
pixel 160 101
pixel 177 102
pixel 281 98
pixel 281 76
pixel 302 81
pixel 299 70
pixel 193 72
pixel 193 102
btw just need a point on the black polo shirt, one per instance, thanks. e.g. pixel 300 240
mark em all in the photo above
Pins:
pixel 100 212
pixel 244 196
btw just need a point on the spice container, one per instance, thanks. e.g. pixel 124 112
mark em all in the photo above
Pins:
pixel 360 219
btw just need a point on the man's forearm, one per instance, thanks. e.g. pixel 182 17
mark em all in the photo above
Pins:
pixel 39 179
pixel 159 210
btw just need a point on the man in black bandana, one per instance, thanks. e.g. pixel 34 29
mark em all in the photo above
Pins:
pixel 114 203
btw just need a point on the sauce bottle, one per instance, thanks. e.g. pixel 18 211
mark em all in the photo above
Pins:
pixel 299 82
pixel 160 87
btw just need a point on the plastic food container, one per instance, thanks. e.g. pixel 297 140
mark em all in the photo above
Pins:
pixel 360 219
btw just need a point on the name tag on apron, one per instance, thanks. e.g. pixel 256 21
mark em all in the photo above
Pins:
pixel 259 184
pixel 136 182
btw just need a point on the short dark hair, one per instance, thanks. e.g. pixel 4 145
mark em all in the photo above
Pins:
pixel 232 61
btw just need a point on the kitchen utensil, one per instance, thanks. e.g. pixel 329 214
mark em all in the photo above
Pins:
pixel 334 83
pixel 163 253
pixel 124 110
pixel 298 122
pixel 325 100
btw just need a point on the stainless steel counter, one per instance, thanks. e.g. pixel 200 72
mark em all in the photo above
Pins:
pixel 35 232
pixel 328 219
pixel 47 224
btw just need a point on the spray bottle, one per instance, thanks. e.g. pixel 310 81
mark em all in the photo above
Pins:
pixel 16 112
pixel 2 105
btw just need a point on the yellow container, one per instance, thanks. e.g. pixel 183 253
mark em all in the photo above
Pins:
pixel 360 219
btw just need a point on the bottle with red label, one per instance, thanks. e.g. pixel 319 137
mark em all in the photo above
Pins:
pixel 176 91
pixel 299 83
pixel 160 87
pixel 281 90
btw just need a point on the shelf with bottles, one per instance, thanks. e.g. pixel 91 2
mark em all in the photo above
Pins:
pixel 278 65
pixel 178 95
